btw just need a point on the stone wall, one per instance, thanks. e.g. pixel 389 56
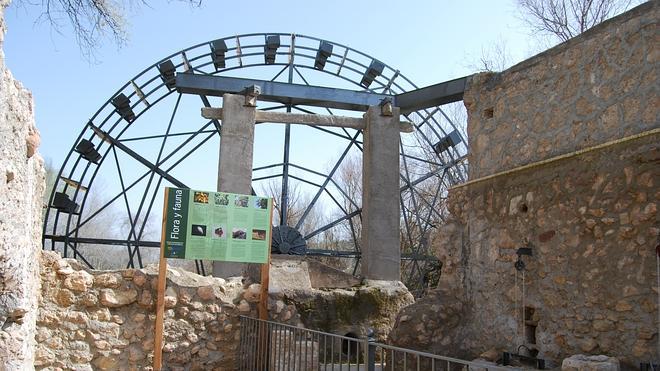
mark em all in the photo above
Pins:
pixel 599 86
pixel 590 218
pixel 22 184
pixel 105 319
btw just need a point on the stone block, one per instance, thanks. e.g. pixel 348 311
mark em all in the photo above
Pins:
pixel 582 362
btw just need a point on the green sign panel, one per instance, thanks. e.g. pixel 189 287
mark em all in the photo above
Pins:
pixel 216 226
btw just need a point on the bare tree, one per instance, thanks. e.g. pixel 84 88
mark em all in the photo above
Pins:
pixel 110 223
pixel 565 19
pixel 494 58
pixel 298 201
pixel 91 21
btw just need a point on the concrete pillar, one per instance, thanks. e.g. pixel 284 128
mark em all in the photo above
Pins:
pixel 235 165
pixel 381 252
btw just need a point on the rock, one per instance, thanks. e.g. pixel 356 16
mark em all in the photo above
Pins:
pixel 79 281
pixel 603 325
pixel 89 299
pixel 110 280
pixel 253 293
pixel 170 298
pixel 582 362
pixel 145 299
pixel 65 270
pixel 279 305
pixel 491 355
pixel 243 306
pixel 65 298
pixel 206 293
pixel 107 363
pixel 139 278
pixel 546 236
pixel 588 345
pixel 102 344
pixel 77 317
pixel 169 348
pixel 32 141
pixel 622 306
pixel 135 354
pixel 117 298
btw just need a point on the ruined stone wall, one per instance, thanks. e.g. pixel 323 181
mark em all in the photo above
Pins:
pixel 105 319
pixel 22 184
pixel 590 218
pixel 599 86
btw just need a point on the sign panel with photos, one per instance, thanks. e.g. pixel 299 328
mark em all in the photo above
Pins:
pixel 217 226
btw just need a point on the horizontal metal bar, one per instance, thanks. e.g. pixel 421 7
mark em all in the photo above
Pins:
pixel 101 241
pixel 333 253
pixel 273 91
pixel 431 96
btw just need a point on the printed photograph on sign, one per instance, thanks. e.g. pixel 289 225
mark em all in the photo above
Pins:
pixel 201 197
pixel 239 233
pixel 261 203
pixel 242 201
pixel 259 234
pixel 198 230
pixel 221 199
pixel 174 250
pixel 219 231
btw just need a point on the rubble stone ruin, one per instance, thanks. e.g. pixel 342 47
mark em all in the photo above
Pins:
pixel 548 251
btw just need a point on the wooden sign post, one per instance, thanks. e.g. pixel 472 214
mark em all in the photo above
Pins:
pixel 160 301
pixel 213 226
pixel 265 279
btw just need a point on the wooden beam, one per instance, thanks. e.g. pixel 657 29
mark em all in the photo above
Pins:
pixel 305 119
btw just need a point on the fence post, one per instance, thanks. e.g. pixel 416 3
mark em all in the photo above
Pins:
pixel 371 350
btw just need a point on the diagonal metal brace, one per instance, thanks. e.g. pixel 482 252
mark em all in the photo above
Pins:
pixel 109 139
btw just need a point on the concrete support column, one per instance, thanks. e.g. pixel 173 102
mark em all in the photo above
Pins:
pixel 235 165
pixel 381 252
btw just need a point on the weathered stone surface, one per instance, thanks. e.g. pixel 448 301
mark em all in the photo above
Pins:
pixel 110 280
pixel 117 298
pixel 22 184
pixel 543 109
pixel 589 219
pixel 201 327
pixel 79 281
pixel 374 305
pixel 582 362
pixel 253 293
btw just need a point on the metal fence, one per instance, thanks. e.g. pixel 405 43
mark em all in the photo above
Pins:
pixel 266 345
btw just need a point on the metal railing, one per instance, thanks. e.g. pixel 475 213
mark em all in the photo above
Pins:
pixel 266 345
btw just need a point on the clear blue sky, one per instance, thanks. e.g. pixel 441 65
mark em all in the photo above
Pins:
pixel 429 41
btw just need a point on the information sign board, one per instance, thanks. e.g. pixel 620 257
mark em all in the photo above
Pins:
pixel 217 226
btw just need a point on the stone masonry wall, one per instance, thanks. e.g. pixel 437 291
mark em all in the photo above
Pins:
pixel 599 86
pixel 591 219
pixel 22 184
pixel 105 319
